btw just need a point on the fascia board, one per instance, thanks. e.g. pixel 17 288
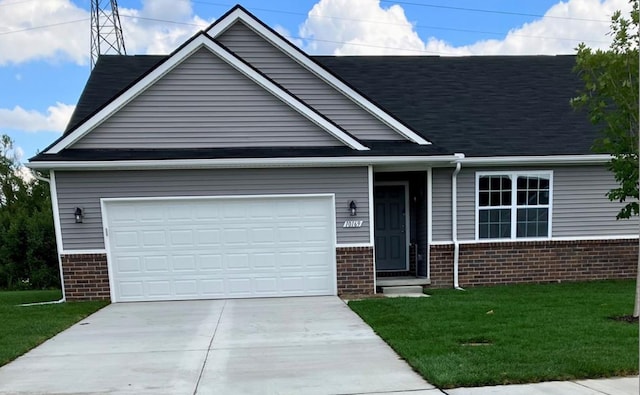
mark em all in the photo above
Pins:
pixel 240 163
pixel 535 160
pixel 239 14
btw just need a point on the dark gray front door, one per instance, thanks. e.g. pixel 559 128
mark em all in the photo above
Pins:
pixel 390 232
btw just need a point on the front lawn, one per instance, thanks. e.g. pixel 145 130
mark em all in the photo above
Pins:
pixel 24 327
pixel 511 334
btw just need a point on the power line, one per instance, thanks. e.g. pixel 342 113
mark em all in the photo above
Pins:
pixel 493 11
pixel 421 27
pixel 426 5
pixel 43 26
pixel 158 20
pixel 16 2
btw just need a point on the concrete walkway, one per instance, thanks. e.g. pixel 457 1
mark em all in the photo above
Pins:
pixel 253 346
pixel 615 386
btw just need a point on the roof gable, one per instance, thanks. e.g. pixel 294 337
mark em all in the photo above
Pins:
pixel 161 69
pixel 205 103
pixel 238 16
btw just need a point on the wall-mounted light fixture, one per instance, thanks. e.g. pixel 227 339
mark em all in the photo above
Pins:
pixel 78 215
pixel 353 208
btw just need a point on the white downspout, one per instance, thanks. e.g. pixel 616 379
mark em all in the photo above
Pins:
pixel 64 298
pixel 454 220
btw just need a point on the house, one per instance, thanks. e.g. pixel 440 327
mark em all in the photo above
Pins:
pixel 239 166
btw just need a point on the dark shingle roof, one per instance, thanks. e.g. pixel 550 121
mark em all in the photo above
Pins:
pixel 480 106
pixel 111 75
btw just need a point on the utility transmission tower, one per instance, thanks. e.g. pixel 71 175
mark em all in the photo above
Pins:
pixel 106 31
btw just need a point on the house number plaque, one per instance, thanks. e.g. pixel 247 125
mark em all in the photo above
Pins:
pixel 352 224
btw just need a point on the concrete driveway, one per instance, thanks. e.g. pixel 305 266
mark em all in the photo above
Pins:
pixel 313 345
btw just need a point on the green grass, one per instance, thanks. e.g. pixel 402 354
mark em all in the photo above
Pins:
pixel 531 333
pixel 24 327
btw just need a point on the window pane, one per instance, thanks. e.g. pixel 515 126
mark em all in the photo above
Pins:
pixel 483 183
pixel 495 199
pixel 506 198
pixel 495 183
pixel 483 199
pixel 544 183
pixel 532 222
pixel 544 197
pixel 494 223
pixel 483 231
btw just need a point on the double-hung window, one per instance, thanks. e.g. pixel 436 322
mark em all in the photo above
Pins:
pixel 513 205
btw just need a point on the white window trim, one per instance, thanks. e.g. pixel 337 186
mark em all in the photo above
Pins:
pixel 514 203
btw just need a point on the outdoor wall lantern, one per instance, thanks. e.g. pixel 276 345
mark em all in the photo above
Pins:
pixel 78 215
pixel 353 208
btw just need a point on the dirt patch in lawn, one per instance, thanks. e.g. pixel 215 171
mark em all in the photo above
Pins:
pixel 625 318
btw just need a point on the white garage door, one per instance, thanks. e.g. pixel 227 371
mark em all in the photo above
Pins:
pixel 211 248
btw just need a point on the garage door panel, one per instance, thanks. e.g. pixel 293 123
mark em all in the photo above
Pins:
pixel 211 262
pixel 148 215
pixel 184 263
pixel 122 239
pixel 153 238
pixel 182 237
pixel 129 265
pixel 219 248
pixel 207 238
pixel 131 289
pixel 158 288
pixel 186 288
pixel 157 263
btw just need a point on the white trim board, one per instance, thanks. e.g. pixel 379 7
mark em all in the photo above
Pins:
pixel 537 240
pixel 238 163
pixel 240 14
pixel 204 41
pixel 84 252
pixel 354 245
pixel 535 160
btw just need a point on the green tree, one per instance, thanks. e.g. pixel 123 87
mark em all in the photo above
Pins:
pixel 27 239
pixel 610 98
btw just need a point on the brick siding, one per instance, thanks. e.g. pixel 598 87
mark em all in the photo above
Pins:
pixel 535 262
pixel 86 277
pixel 355 270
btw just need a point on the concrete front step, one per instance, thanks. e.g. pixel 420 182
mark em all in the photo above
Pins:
pixel 405 289
pixel 398 281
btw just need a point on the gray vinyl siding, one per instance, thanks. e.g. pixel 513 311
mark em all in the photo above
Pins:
pixel 441 201
pixel 580 207
pixel 467 204
pixel 254 49
pixel 84 189
pixel 204 102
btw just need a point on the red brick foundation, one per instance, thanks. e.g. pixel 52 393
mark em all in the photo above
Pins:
pixel 86 277
pixel 355 270
pixel 535 262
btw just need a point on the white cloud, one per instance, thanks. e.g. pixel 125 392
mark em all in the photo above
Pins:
pixel 357 27
pixel 145 30
pixel 54 120
pixel 65 41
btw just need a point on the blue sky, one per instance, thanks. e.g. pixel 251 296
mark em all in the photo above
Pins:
pixel 44 44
